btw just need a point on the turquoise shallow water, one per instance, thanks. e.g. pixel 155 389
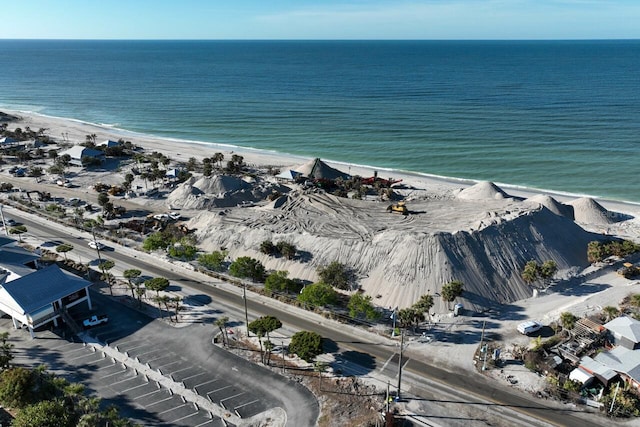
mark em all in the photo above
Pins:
pixel 563 115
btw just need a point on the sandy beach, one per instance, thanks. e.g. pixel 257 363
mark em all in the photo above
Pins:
pixel 457 230
pixel 475 232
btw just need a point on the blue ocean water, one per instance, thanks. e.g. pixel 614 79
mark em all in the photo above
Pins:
pixel 556 115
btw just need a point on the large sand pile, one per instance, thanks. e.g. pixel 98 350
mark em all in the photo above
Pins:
pixel 397 259
pixel 220 191
pixel 588 211
pixel 482 190
pixel 552 204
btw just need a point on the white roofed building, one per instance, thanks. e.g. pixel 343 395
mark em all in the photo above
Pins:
pixel 625 331
pixel 82 155
pixel 35 297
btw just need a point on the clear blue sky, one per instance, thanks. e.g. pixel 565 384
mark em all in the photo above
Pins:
pixel 320 19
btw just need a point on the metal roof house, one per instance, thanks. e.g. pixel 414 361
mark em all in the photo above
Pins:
pixel 8 142
pixel 42 296
pixel 623 361
pixel 35 297
pixel 600 371
pixel 81 155
pixel 625 331
pixel 109 143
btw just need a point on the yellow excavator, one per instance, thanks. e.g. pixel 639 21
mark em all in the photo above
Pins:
pixel 399 208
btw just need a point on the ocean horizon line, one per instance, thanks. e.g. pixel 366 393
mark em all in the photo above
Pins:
pixel 464 40
pixel 399 172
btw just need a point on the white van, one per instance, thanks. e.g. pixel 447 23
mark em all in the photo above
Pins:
pixel 529 327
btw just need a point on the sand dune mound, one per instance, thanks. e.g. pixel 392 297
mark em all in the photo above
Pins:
pixel 482 190
pixel 398 258
pixel 588 211
pixel 552 204
pixel 220 191
pixel 220 184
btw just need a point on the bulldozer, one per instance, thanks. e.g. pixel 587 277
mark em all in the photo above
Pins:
pixel 399 208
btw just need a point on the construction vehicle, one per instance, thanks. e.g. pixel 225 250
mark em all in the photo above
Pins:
pixel 629 270
pixel 400 208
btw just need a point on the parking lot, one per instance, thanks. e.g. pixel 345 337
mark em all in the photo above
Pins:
pixel 137 398
pixel 184 356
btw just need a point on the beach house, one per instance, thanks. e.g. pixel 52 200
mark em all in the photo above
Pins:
pixel 31 297
pixel 81 156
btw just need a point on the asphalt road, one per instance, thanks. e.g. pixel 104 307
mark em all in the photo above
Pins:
pixel 475 388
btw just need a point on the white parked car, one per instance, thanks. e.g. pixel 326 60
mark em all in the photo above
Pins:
pixel 529 327
pixel 95 245
pixel 174 215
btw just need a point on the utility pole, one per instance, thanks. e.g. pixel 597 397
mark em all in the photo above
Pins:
pixel 387 400
pixel 283 352
pixel 4 224
pixel 483 347
pixel 400 362
pixel 393 316
pixel 613 401
pixel 95 242
pixel 246 313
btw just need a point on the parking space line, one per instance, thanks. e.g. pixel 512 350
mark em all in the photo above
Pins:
pixel 206 382
pixel 119 371
pixel 121 343
pixel 108 365
pixel 158 358
pixel 194 375
pixel 88 354
pixel 121 381
pixel 221 388
pixel 133 388
pixel 246 404
pixel 158 350
pixel 123 347
pixel 148 394
pixel 172 409
pixel 76 350
pixel 180 370
pixel 184 418
pixel 164 367
pixel 160 401
pixel 207 422
pixel 232 397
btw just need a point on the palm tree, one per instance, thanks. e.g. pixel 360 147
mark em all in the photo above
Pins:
pixel 161 300
pixel 157 284
pixel 610 312
pixel 177 307
pixel 131 274
pixel 19 230
pixel 105 266
pixel 452 290
pixel 568 320
pixel 221 322
pixel 63 249
pixel 140 292
pixel 424 304
pixel 530 272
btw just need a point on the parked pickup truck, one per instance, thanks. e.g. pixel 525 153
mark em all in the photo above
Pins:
pixel 95 320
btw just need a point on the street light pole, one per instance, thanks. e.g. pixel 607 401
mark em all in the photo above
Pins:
pixel 400 362
pixel 246 313
pixel 4 224
pixel 93 232
pixel 393 316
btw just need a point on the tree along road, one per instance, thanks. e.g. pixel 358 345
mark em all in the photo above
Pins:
pixel 475 388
